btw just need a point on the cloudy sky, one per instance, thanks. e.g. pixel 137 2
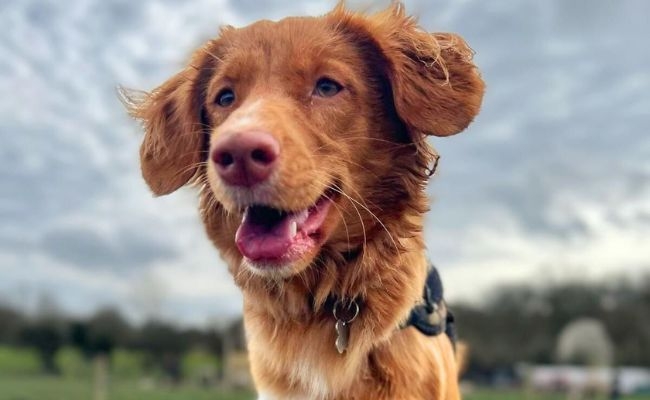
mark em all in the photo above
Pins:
pixel 552 181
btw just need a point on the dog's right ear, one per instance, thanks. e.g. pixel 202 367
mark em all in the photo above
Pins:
pixel 175 133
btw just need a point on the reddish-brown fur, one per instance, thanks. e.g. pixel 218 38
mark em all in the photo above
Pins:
pixel 400 84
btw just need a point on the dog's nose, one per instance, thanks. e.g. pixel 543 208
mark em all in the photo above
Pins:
pixel 245 158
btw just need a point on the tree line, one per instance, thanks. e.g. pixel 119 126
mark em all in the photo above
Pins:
pixel 163 344
pixel 516 324
pixel 522 323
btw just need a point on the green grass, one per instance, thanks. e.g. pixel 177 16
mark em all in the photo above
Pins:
pixel 518 395
pixel 18 361
pixel 51 388
pixel 508 395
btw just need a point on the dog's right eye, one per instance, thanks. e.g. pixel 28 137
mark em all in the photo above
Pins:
pixel 225 98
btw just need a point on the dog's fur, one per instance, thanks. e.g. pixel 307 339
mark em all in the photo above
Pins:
pixel 367 144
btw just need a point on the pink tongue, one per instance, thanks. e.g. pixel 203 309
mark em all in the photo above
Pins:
pixel 267 240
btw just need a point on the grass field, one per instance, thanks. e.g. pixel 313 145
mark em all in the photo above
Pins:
pixel 45 388
pixel 514 395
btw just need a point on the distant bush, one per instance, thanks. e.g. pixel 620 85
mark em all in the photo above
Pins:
pixel 72 363
pixel 19 361
pixel 127 363
pixel 198 365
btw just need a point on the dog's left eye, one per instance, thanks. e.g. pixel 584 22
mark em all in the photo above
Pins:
pixel 326 87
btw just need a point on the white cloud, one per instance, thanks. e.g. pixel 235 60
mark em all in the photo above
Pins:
pixel 613 244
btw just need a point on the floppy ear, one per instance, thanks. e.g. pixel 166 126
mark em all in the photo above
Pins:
pixel 175 132
pixel 437 89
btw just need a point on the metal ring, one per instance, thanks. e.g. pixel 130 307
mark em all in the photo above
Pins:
pixel 354 314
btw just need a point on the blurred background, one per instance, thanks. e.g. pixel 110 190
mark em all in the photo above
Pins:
pixel 540 223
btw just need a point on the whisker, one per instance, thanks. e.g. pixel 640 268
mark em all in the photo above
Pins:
pixel 390 236
pixel 341 214
pixel 363 226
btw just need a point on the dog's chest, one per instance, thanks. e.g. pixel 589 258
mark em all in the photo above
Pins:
pixel 302 358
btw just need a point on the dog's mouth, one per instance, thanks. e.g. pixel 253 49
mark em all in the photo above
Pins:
pixel 270 237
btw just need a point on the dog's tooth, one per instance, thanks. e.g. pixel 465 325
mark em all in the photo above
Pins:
pixel 245 215
pixel 293 229
pixel 302 216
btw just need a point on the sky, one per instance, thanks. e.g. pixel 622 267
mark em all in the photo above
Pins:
pixel 551 182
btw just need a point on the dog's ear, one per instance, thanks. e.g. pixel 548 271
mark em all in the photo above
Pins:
pixel 175 132
pixel 437 89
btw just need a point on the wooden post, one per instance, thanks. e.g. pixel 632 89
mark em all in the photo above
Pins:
pixel 100 377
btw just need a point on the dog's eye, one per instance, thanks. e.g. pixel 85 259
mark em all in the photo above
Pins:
pixel 326 87
pixel 226 97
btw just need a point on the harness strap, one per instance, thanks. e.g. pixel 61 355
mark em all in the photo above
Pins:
pixel 431 316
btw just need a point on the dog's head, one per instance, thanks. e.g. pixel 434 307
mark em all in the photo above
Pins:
pixel 308 133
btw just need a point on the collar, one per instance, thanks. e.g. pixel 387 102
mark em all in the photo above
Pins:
pixel 431 316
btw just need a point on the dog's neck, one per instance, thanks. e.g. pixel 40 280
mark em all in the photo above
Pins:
pixel 291 326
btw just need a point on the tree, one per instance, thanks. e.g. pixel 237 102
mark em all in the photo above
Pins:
pixel 11 325
pixel 46 336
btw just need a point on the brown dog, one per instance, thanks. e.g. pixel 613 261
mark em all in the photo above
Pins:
pixel 307 139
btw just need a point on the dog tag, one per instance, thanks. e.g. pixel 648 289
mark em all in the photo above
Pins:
pixel 342 335
pixel 344 314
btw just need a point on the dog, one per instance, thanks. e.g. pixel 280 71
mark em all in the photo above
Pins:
pixel 306 139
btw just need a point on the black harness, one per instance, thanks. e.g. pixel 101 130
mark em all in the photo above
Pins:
pixel 432 317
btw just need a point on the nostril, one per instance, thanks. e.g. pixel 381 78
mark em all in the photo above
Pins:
pixel 224 159
pixel 262 156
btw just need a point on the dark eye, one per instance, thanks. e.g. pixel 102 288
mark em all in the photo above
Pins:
pixel 226 97
pixel 326 87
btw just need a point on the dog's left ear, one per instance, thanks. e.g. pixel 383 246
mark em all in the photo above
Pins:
pixel 437 89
